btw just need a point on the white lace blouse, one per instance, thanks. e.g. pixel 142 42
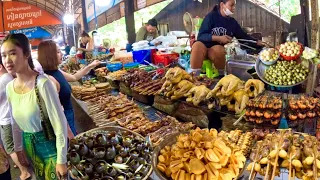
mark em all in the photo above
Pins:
pixel 25 111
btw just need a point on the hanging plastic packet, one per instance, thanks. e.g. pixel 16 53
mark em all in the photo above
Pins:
pixel 158 73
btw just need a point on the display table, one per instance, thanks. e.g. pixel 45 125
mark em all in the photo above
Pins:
pixel 83 121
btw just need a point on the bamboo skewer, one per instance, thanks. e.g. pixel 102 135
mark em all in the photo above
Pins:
pixel 315 154
pixel 277 155
pixel 293 173
pixel 252 172
pixel 267 171
pixel 290 166
pixel 253 176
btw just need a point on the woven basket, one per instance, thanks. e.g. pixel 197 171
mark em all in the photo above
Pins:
pixel 115 128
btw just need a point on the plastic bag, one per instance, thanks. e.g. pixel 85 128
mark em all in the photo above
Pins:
pixel 309 53
pixel 167 41
pixel 73 51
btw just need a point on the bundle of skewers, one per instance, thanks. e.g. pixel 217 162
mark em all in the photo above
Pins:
pixel 295 152
pixel 302 107
pixel 264 108
pixel 107 109
pixel 240 141
pixel 143 82
pixel 267 154
pixel 148 88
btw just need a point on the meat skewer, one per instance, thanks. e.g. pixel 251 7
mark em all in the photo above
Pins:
pixel 151 86
pixel 280 142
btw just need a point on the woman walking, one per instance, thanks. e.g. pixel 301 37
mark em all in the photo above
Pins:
pixel 36 109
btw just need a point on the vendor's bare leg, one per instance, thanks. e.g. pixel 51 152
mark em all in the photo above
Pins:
pixel 198 54
pixel 217 54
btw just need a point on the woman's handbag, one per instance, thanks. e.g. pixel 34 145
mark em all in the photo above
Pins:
pixel 45 121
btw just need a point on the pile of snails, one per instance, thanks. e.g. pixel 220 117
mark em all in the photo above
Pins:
pixel 109 155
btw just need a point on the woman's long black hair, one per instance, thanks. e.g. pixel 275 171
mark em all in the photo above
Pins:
pixel 22 42
pixel 217 6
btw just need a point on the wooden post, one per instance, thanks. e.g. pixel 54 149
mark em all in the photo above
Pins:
pixel 129 18
pixel 304 4
pixel 314 24
pixel 313 43
pixel 84 16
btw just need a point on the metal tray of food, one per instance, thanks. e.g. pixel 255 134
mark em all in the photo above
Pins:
pixel 261 69
pixel 239 68
pixel 169 141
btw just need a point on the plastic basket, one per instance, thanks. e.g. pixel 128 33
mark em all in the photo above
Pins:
pixel 143 55
pixel 165 59
pixel 114 67
pixel 131 65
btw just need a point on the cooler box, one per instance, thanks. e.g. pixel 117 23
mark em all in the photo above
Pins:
pixel 165 58
pixel 143 55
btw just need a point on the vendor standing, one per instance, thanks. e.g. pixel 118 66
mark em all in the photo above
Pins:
pixel 217 29
pixel 86 44
pixel 148 32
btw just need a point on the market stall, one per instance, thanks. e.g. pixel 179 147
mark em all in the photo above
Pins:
pixel 166 106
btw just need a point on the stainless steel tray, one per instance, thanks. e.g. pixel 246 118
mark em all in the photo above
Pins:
pixel 261 69
pixel 239 68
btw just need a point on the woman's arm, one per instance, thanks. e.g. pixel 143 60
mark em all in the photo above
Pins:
pixel 55 82
pixel 57 118
pixel 205 32
pixel 16 134
pixel 240 34
pixel 86 50
pixel 80 73
pixel 90 45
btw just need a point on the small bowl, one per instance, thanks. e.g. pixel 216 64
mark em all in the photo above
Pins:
pixel 293 58
pixel 268 63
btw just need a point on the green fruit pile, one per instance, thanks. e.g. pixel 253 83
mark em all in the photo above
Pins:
pixel 286 73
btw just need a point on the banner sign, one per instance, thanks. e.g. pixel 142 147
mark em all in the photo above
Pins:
pixel 33 33
pixel 18 15
pixel 1 20
pixel 101 7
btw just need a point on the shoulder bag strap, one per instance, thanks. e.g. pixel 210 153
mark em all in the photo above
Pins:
pixel 42 116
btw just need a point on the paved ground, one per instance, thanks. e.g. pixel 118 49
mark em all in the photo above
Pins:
pixel 15 172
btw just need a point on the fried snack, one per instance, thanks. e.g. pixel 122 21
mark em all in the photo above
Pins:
pixel 201 154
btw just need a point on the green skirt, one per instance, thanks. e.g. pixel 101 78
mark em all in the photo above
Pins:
pixel 42 153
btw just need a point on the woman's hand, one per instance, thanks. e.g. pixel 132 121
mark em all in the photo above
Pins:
pixel 224 39
pixel 94 64
pixel 61 171
pixel 260 43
